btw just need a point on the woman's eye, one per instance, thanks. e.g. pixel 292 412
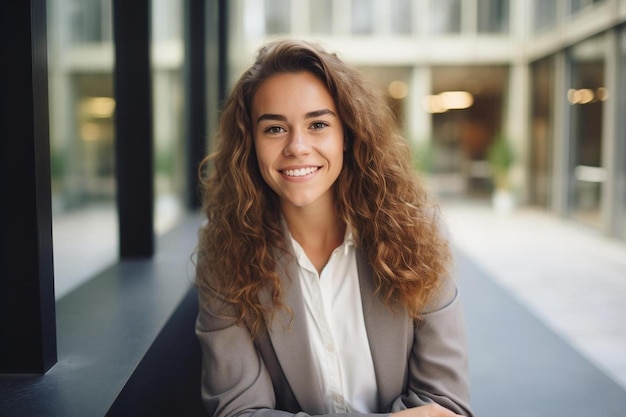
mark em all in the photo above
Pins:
pixel 318 125
pixel 272 130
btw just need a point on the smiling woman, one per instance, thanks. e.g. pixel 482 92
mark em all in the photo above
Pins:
pixel 322 269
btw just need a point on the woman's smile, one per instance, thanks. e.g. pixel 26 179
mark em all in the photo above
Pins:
pixel 299 172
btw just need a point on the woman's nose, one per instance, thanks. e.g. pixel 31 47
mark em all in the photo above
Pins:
pixel 297 145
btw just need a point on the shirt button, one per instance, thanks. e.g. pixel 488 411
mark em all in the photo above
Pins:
pixel 330 348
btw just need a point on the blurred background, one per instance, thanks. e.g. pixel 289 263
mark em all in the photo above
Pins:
pixel 514 109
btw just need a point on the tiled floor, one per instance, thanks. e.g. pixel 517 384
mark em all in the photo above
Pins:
pixel 571 277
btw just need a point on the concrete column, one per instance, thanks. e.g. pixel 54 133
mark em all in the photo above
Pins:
pixel 418 120
pixel 300 18
pixel 382 17
pixel 620 123
pixel 469 17
pixel 342 18
pixel 610 147
pixel 561 136
pixel 517 127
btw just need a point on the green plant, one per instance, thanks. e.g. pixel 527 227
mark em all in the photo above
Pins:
pixel 422 155
pixel 164 161
pixel 57 163
pixel 500 156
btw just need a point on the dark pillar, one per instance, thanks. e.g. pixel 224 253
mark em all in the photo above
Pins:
pixel 223 28
pixel 27 305
pixel 195 95
pixel 133 127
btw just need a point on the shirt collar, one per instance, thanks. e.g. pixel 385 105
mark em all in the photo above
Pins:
pixel 348 240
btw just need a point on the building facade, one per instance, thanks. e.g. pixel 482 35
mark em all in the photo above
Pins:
pixel 548 76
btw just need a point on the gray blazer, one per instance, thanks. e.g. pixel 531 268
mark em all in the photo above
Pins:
pixel 272 375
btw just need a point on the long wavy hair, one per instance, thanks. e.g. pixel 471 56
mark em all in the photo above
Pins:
pixel 377 195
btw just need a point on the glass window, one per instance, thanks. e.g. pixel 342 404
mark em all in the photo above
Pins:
pixel 89 20
pixel 544 15
pixel 586 96
pixel 82 107
pixel 322 17
pixel 578 5
pixel 401 17
pixel 467 109
pixel 362 17
pixel 168 99
pixel 493 16
pixel 541 146
pixel 81 141
pixel 445 16
pixel 277 16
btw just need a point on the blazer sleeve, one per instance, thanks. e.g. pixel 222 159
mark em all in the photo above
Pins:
pixel 235 379
pixel 438 365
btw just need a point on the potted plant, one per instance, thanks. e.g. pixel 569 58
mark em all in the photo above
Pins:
pixel 500 156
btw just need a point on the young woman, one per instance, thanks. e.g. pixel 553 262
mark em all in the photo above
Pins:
pixel 322 269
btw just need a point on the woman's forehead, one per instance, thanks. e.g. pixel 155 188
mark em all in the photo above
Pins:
pixel 286 92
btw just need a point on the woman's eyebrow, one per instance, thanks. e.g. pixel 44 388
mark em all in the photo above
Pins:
pixel 269 116
pixel 309 115
pixel 318 113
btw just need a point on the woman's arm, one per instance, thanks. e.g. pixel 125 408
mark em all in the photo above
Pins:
pixel 438 368
pixel 234 378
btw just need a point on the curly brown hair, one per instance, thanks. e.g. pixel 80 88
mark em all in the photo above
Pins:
pixel 377 195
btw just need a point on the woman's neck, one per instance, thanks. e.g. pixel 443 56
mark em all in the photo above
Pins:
pixel 318 231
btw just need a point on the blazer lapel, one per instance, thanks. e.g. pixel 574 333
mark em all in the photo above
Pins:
pixel 389 336
pixel 289 336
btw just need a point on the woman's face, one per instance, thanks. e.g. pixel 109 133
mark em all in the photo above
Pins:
pixel 298 138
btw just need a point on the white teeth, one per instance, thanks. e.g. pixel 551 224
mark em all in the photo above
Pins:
pixel 299 172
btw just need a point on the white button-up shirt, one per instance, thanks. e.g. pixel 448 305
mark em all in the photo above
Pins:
pixel 337 331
